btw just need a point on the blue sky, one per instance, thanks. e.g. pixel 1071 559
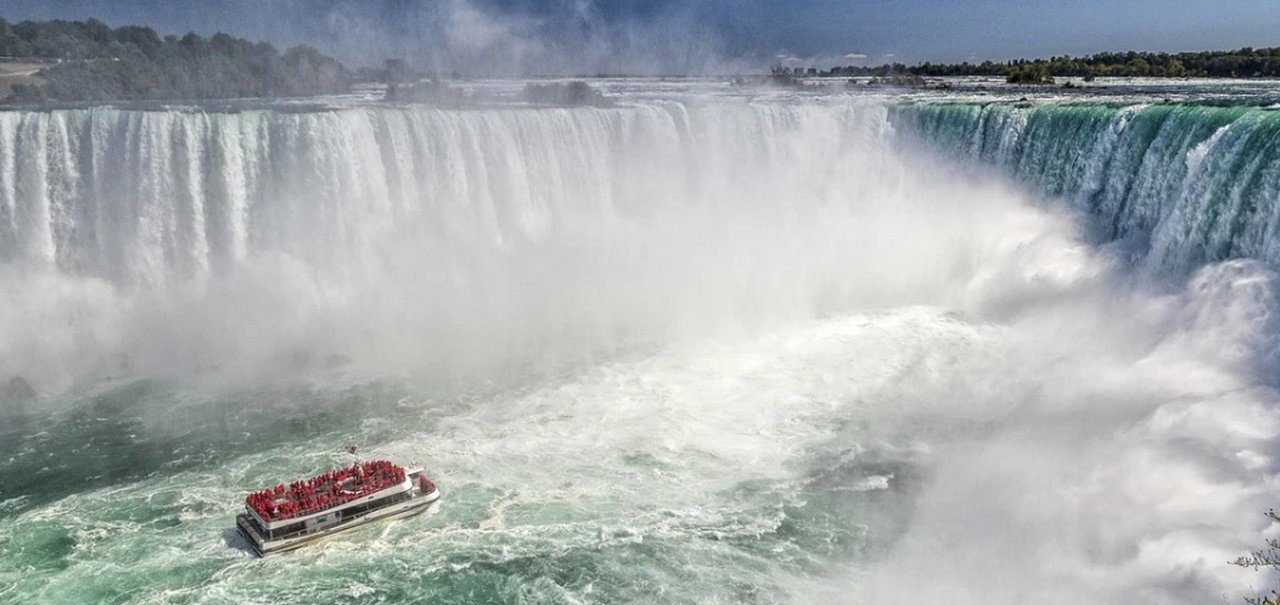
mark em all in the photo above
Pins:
pixel 584 36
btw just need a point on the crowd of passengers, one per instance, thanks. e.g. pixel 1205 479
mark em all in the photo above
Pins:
pixel 324 491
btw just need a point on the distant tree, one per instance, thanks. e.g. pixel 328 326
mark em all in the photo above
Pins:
pixel 131 62
pixel 1267 557
pixel 1245 62
pixel 395 71
pixel 1030 73
pixel 1139 67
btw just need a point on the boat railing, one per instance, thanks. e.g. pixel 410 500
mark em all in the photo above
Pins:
pixel 343 520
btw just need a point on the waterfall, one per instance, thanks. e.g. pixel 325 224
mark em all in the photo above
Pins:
pixel 1202 182
pixel 611 224
pixel 221 237
pixel 147 198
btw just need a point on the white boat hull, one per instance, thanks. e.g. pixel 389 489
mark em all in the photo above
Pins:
pixel 400 510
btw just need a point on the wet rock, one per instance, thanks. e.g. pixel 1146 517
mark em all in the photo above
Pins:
pixel 576 93
pixel 18 389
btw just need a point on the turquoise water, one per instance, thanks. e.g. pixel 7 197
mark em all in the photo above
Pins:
pixel 571 492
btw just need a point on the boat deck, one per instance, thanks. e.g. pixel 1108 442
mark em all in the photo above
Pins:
pixel 325 491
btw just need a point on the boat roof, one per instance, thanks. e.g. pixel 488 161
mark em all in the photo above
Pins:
pixel 362 482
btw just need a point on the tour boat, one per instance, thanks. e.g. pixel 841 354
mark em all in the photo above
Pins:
pixel 288 516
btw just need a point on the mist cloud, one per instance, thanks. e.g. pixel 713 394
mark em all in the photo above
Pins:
pixel 566 37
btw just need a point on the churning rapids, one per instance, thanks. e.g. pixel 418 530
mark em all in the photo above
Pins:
pixel 694 348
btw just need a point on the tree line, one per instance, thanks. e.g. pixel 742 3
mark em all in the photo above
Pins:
pixel 97 63
pixel 1243 63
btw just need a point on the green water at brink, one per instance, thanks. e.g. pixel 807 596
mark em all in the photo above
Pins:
pixel 1201 182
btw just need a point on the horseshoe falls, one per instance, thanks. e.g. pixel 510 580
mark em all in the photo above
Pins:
pixel 706 345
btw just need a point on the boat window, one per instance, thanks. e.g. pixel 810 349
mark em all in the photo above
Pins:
pixel 286 530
